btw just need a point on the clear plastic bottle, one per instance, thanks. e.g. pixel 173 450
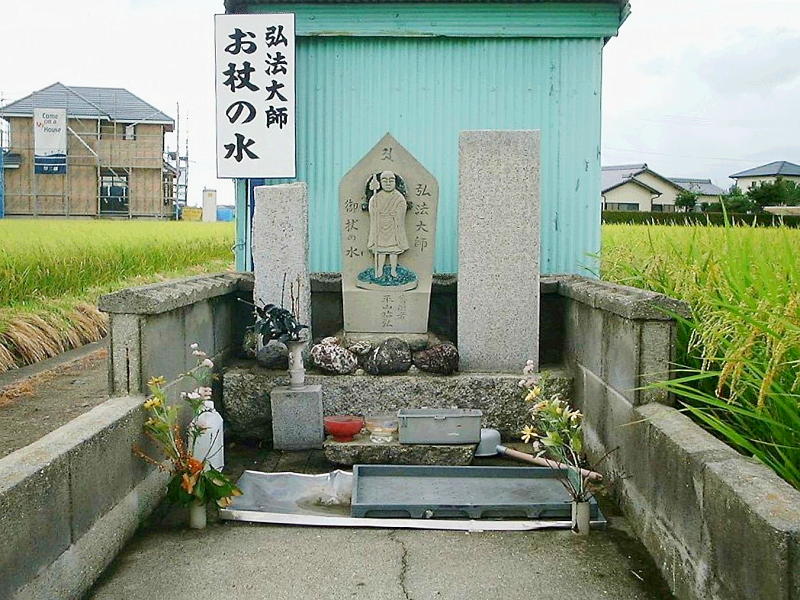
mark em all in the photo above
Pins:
pixel 209 443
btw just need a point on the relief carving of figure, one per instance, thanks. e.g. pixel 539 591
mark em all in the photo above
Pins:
pixel 387 222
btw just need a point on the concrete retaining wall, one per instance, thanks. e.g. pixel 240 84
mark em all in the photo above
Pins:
pixel 152 326
pixel 718 524
pixel 70 501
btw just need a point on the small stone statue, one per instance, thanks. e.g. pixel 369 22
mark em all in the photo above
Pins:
pixel 387 222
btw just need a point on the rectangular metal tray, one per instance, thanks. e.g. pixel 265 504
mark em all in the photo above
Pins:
pixel 427 492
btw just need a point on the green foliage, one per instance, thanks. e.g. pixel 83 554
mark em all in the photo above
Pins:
pixel 49 259
pixel 686 200
pixel 691 218
pixel 740 348
pixel 781 192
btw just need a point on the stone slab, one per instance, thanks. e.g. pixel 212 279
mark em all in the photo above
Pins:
pixel 361 451
pixel 297 418
pixel 387 309
pixel 497 395
pixel 280 246
pixel 498 249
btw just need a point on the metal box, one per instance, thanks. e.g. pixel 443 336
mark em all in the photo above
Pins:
pixel 439 426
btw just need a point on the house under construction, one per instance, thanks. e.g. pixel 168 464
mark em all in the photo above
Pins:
pixel 110 161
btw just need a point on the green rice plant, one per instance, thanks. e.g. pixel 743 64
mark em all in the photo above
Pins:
pixel 740 349
pixel 53 271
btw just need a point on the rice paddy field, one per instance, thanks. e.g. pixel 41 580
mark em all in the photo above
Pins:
pixel 740 349
pixel 53 271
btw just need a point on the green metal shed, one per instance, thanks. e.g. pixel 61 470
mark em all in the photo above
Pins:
pixel 442 67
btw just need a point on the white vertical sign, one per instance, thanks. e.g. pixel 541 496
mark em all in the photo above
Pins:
pixel 255 90
pixel 50 140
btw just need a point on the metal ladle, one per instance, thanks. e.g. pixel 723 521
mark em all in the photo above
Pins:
pixel 490 445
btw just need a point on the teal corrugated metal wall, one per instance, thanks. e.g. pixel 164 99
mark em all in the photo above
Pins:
pixel 352 90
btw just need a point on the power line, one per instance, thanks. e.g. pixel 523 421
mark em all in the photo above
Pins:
pixel 635 151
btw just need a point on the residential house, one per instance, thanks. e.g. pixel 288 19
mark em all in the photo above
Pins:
pixel 111 163
pixel 636 187
pixel 707 192
pixel 767 174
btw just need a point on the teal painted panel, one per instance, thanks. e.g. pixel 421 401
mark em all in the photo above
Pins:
pixel 491 19
pixel 425 91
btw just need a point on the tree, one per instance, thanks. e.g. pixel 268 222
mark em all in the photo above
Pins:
pixel 733 202
pixel 686 200
pixel 780 192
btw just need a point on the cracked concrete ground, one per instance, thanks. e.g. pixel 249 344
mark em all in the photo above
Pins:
pixel 234 560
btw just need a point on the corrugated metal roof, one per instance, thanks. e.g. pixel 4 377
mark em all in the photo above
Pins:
pixel 117 104
pixel 240 6
pixel 704 187
pixel 779 167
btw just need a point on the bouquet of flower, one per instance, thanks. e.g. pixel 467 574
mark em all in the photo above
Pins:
pixel 556 434
pixel 193 479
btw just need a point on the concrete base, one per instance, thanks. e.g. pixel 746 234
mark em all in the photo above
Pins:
pixel 247 388
pixel 297 418
pixel 362 451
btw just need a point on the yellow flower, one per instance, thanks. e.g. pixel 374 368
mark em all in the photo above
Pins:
pixel 533 394
pixel 153 403
pixel 157 381
pixel 528 433
pixel 224 502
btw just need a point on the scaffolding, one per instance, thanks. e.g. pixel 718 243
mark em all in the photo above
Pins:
pixel 117 168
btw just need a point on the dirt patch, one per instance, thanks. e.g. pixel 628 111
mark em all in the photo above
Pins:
pixel 33 407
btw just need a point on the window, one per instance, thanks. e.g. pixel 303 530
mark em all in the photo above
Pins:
pixel 114 198
pixel 130 132
pixel 668 208
pixel 626 206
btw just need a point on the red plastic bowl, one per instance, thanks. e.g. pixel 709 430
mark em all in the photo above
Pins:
pixel 343 428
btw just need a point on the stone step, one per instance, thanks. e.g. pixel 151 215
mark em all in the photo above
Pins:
pixel 362 451
pixel 246 395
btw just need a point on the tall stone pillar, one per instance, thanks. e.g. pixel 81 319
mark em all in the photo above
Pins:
pixel 280 246
pixel 498 250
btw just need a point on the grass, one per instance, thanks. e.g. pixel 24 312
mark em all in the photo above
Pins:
pixel 740 349
pixel 53 271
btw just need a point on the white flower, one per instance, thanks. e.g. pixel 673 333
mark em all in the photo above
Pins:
pixel 193 396
pixel 521 383
pixel 204 392
pixel 207 363
pixel 198 353
pixel 194 346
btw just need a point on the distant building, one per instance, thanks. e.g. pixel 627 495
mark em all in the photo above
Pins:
pixel 767 174
pixel 636 187
pixel 707 192
pixel 87 152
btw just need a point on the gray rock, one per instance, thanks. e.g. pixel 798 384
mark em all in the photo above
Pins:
pixel 275 355
pixel 332 358
pixel 415 341
pixel 442 359
pixel 362 451
pixel 246 406
pixel 391 356
pixel 360 348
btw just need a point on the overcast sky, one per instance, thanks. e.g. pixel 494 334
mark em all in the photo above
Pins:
pixel 694 88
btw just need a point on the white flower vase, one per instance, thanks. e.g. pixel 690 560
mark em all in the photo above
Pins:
pixel 297 372
pixel 197 515
pixel 580 518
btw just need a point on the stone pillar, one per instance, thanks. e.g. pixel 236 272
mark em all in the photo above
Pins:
pixel 297 417
pixel 498 250
pixel 280 245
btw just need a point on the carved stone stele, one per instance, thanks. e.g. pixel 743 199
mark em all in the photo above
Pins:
pixel 388 204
